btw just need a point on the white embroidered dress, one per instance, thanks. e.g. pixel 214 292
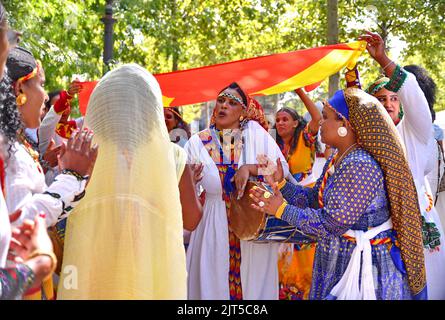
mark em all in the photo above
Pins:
pixel 26 189
pixel 208 252
pixel 416 131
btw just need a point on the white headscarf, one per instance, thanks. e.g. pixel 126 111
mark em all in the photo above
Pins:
pixel 125 237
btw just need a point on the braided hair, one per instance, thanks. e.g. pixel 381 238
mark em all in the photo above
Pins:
pixel 20 63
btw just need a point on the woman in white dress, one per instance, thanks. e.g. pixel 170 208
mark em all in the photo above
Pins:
pixel 219 265
pixel 416 131
pixel 25 187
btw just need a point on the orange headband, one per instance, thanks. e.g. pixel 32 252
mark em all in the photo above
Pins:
pixel 30 75
pixel 173 111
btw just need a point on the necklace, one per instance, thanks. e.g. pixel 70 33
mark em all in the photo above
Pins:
pixel 29 149
pixel 340 158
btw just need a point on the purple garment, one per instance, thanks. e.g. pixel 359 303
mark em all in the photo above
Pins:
pixel 354 198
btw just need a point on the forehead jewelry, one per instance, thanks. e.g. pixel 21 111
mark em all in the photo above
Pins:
pixel 231 96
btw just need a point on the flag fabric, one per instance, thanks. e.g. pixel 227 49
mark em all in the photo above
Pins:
pixel 258 76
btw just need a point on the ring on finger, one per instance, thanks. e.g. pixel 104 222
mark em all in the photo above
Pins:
pixel 261 204
pixel 267 194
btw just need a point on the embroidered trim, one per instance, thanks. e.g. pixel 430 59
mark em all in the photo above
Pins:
pixel 397 79
pixel 75 174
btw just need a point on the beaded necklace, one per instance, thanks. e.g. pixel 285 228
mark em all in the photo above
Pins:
pixel 30 150
pixel 325 179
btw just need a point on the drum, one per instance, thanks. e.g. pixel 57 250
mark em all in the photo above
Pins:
pixel 251 225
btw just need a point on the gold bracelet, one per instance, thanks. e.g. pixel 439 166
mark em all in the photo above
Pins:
pixel 51 255
pixel 282 184
pixel 280 210
pixel 384 68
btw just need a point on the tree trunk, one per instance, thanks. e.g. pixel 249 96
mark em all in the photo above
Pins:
pixel 175 44
pixel 333 39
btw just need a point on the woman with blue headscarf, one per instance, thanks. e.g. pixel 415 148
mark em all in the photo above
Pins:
pixel 363 211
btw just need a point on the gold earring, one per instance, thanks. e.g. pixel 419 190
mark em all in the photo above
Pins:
pixel 21 99
pixel 241 118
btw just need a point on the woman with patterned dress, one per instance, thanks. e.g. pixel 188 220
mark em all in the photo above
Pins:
pixel 297 140
pixel 363 212
pixel 413 122
pixel 219 265
pixel 25 187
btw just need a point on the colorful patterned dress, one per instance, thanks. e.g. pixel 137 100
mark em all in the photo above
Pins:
pixel 294 261
pixel 15 281
pixel 354 198
pixel 220 266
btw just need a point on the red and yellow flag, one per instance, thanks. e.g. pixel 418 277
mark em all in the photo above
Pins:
pixel 265 75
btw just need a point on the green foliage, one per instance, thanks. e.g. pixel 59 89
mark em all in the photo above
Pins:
pixel 166 35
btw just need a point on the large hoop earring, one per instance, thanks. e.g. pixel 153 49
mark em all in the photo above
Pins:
pixel 21 99
pixel 342 132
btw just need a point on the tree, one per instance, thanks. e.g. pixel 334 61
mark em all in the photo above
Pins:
pixel 166 35
pixel 333 39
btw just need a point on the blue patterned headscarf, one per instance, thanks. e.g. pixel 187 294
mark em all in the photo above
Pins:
pixel 338 102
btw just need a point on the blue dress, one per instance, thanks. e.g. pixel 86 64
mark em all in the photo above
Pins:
pixel 354 198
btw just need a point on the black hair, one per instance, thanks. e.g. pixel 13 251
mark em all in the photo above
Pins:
pixel 10 120
pixel 181 123
pixel 20 62
pixel 51 95
pixel 301 125
pixel 426 83
pixel 238 89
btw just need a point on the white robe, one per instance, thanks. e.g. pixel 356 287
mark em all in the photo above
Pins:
pixel 416 131
pixel 208 252
pixel 5 231
pixel 26 187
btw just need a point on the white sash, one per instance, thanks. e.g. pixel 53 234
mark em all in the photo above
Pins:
pixel 348 286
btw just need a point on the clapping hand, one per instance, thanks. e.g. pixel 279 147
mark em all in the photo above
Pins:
pixel 31 236
pixel 78 154
pixel 272 173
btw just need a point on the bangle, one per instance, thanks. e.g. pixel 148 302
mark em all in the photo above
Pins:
pixel 51 255
pixel 389 63
pixel 282 184
pixel 280 210
pixel 77 175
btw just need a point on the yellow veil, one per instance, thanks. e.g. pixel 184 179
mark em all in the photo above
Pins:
pixel 124 240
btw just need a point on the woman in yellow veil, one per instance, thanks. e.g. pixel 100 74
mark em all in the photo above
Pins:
pixel 124 241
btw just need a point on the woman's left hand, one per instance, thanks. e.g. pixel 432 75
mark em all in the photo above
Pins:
pixel 265 201
pixel 241 177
